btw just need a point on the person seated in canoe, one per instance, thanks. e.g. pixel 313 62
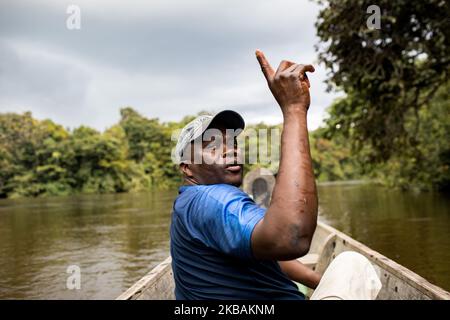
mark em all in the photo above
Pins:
pixel 223 245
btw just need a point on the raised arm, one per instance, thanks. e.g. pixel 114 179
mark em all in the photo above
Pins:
pixel 286 231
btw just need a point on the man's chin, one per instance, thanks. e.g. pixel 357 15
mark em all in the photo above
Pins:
pixel 237 184
pixel 237 181
pixel 234 175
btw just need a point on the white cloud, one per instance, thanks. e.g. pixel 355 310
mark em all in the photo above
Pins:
pixel 167 59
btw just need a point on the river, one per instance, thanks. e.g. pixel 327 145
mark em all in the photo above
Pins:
pixel 115 239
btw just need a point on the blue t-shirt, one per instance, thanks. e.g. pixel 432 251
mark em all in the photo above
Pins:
pixel 211 248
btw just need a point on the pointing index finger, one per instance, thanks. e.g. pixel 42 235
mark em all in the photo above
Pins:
pixel 265 65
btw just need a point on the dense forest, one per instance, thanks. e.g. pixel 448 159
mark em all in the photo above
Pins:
pixel 40 157
pixel 395 114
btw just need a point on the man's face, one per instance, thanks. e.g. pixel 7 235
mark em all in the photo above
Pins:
pixel 216 161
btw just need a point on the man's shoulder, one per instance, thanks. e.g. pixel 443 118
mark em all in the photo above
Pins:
pixel 222 192
pixel 213 192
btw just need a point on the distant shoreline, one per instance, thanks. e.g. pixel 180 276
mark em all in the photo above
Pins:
pixel 343 182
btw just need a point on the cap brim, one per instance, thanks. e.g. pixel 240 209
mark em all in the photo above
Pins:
pixel 229 119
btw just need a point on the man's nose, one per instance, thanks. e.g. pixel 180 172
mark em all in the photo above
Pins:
pixel 233 156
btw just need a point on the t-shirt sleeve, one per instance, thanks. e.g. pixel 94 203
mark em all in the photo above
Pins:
pixel 226 224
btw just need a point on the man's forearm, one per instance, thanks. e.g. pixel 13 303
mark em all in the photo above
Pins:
pixel 295 189
pixel 294 199
pixel 287 228
pixel 298 272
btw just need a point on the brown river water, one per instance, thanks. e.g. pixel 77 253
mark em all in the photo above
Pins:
pixel 115 239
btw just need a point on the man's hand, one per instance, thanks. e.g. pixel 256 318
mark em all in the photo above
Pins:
pixel 289 84
pixel 286 231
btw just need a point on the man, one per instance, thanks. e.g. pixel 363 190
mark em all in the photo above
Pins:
pixel 223 245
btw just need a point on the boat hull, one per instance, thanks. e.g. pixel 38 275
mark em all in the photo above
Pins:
pixel 398 282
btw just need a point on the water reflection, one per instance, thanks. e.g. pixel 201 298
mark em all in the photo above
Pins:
pixel 116 239
pixel 411 228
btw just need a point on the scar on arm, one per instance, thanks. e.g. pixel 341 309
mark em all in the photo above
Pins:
pixel 295 235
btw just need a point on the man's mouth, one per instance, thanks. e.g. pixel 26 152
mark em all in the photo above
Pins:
pixel 233 168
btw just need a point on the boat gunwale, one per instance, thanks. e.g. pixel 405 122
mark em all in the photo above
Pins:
pixel 146 281
pixel 402 273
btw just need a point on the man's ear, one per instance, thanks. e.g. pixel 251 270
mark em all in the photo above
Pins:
pixel 185 168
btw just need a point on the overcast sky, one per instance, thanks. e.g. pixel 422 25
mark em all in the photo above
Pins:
pixel 164 58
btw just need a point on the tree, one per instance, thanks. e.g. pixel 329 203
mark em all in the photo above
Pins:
pixel 332 158
pixel 387 73
pixel 41 158
pixel 150 146
pixel 426 164
pixel 29 155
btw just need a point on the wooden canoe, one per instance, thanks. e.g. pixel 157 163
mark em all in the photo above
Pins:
pixel 398 282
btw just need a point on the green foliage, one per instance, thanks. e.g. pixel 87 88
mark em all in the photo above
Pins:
pixel 149 146
pixel 422 162
pixel 30 156
pixel 395 113
pixel 389 72
pixel 256 144
pixel 333 159
pixel 41 158
pixel 425 163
